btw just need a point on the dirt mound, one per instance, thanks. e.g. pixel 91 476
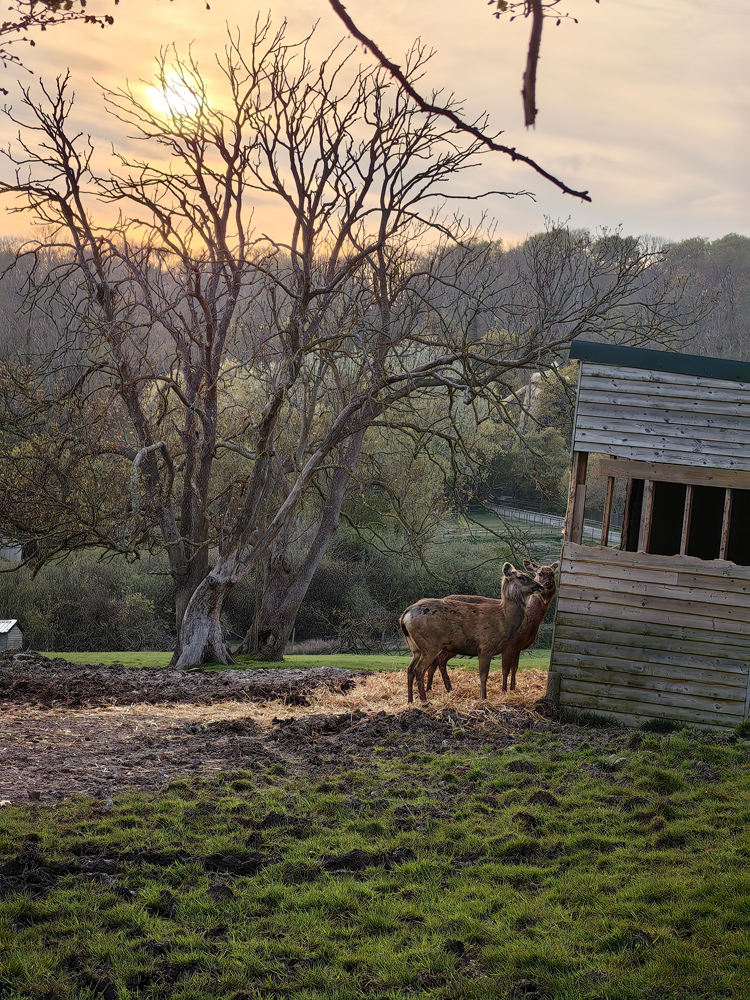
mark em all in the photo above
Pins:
pixel 36 680
pixel 70 729
pixel 359 732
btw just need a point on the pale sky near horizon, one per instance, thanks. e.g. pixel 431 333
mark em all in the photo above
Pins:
pixel 645 103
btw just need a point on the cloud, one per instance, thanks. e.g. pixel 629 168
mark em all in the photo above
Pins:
pixel 643 103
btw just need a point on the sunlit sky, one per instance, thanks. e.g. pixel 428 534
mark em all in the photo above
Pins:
pixel 644 103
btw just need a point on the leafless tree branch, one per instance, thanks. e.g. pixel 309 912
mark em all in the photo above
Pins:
pixel 456 121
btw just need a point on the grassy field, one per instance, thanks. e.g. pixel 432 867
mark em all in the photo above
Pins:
pixel 575 865
pixel 544 541
pixel 537 659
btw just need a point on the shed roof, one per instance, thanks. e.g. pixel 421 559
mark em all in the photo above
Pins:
pixel 660 361
pixel 7 624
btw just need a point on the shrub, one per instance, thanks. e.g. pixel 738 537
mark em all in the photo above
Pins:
pixel 85 604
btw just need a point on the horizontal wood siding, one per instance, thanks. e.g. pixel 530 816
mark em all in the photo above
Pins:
pixel 13 639
pixel 663 417
pixel 641 636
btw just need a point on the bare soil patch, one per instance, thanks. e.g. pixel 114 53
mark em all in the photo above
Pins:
pixel 70 729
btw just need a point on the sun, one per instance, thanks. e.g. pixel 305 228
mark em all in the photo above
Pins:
pixel 175 98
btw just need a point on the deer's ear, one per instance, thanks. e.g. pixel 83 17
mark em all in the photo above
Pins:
pixel 507 569
pixel 554 565
pixel 529 565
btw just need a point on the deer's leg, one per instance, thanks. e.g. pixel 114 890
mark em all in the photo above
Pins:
pixel 440 662
pixel 510 665
pixel 506 668
pixel 416 669
pixel 443 664
pixel 420 672
pixel 513 668
pixel 416 657
pixel 431 673
pixel 484 672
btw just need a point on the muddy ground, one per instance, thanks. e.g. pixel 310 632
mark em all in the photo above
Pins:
pixel 69 729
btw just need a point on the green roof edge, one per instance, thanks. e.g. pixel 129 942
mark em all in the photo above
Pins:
pixel 660 361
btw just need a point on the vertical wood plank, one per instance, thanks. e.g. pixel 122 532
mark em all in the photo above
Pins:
pixel 725 525
pixel 607 510
pixel 576 497
pixel 687 515
pixel 646 512
pixel 578 514
pixel 626 525
pixel 553 687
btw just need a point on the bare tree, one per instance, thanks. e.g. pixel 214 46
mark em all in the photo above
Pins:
pixel 224 379
pixel 25 17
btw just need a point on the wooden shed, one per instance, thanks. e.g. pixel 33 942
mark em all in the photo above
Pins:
pixel 654 621
pixel 11 636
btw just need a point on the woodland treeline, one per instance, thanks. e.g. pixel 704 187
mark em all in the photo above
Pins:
pixel 372 569
pixel 185 387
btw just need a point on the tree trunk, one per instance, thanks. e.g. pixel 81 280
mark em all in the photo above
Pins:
pixel 284 590
pixel 275 622
pixel 283 594
pixel 285 587
pixel 185 585
pixel 202 640
pixel 183 591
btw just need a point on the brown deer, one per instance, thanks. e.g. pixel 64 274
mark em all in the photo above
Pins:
pixel 536 611
pixel 435 626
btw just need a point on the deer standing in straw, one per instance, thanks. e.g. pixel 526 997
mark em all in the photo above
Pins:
pixel 435 626
pixel 524 637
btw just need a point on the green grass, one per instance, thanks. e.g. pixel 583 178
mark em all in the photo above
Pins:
pixel 532 658
pixel 546 541
pixel 594 870
pixel 347 661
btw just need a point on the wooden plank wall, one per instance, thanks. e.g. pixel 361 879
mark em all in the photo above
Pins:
pixel 641 636
pixel 663 417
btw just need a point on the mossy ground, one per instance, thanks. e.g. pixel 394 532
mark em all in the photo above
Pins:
pixel 602 864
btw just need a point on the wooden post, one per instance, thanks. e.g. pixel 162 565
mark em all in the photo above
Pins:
pixel 686 518
pixel 607 510
pixel 553 687
pixel 646 512
pixel 626 519
pixel 725 525
pixel 576 498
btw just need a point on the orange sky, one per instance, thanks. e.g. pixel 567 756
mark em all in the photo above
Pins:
pixel 645 104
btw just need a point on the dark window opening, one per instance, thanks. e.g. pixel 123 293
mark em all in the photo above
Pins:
pixel 678 513
pixel 738 549
pixel 666 518
pixel 633 508
pixel 704 540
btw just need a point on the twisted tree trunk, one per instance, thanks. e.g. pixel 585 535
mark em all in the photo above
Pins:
pixel 184 588
pixel 202 641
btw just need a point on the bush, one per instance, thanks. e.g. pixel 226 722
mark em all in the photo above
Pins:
pixel 359 593
pixel 84 604
pixel 354 601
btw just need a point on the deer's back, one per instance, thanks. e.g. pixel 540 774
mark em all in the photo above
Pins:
pixel 461 627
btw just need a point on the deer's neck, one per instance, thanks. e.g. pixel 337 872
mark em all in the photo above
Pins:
pixel 537 606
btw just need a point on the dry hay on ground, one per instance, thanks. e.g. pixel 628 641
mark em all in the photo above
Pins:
pixel 50 749
pixel 385 691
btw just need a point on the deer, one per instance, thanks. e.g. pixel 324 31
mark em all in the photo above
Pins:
pixel 536 611
pixel 435 626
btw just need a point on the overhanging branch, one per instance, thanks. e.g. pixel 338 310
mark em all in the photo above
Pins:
pixel 436 109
